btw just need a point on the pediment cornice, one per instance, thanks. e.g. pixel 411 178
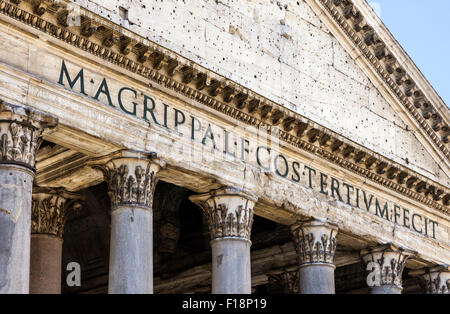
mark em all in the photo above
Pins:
pixel 162 67
pixel 393 67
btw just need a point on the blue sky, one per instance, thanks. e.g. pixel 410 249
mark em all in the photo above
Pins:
pixel 422 27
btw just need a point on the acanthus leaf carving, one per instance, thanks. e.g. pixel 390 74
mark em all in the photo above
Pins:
pixel 391 261
pixel 50 209
pixel 228 211
pixel 20 133
pixel 131 178
pixel 287 282
pixel 434 280
pixel 315 242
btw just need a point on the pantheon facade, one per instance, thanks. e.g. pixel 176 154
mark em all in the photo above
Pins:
pixel 217 147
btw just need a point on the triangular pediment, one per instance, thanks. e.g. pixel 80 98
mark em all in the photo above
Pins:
pixel 358 102
pixel 323 82
pixel 298 55
pixel 312 68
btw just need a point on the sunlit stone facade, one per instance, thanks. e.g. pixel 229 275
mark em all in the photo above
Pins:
pixel 217 147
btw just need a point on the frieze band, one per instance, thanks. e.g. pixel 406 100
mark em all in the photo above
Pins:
pixel 190 108
pixel 162 70
pixel 156 112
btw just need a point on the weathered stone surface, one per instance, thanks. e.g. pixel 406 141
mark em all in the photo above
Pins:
pixel 131 255
pixel 21 129
pixel 50 209
pixel 386 263
pixel 16 184
pixel 231 272
pixel 285 52
pixel 363 160
pixel 316 279
pixel 229 213
pixel 131 179
pixel 434 280
pixel 278 200
pixel 45 264
pixel 20 137
pixel 315 243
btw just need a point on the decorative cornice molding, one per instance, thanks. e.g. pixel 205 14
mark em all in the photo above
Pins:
pixel 163 67
pixel 434 280
pixel 131 177
pixel 315 242
pixel 50 209
pixel 229 212
pixel 391 261
pixel 20 134
pixel 388 68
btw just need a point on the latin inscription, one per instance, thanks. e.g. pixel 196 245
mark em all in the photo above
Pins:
pixel 266 157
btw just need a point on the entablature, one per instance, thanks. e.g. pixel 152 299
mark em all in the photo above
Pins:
pixel 174 80
pixel 162 68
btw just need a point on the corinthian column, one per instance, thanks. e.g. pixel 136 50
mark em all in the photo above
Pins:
pixel 315 242
pixel 20 137
pixel 435 280
pixel 229 212
pixel 131 179
pixel 48 218
pixel 385 264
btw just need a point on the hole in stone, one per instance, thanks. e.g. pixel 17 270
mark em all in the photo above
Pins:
pixel 123 13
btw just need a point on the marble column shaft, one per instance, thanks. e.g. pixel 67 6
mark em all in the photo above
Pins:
pixel 20 136
pixel 131 179
pixel 229 212
pixel 49 213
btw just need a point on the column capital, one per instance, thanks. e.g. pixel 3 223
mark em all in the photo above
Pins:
pixel 20 133
pixel 391 261
pixel 229 212
pixel 50 209
pixel 315 242
pixel 435 280
pixel 286 282
pixel 131 177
